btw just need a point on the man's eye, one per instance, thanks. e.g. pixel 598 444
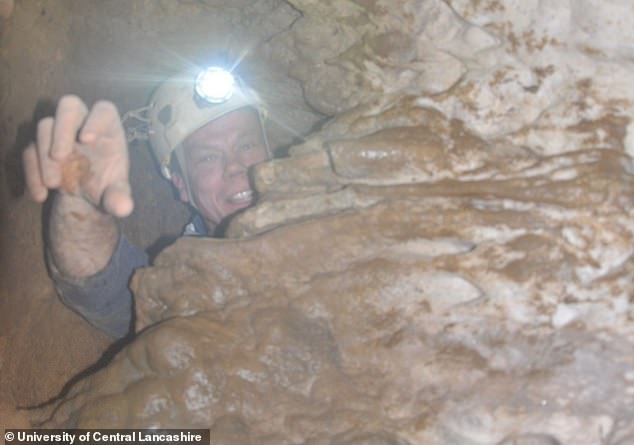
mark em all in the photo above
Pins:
pixel 211 157
pixel 247 146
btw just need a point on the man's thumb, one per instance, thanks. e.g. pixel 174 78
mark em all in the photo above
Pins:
pixel 117 199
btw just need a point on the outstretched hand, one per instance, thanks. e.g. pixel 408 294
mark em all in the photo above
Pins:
pixel 81 153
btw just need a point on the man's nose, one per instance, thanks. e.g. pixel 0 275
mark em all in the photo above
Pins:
pixel 234 164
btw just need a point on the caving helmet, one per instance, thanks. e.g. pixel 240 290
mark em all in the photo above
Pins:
pixel 190 100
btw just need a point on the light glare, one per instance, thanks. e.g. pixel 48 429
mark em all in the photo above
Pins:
pixel 215 85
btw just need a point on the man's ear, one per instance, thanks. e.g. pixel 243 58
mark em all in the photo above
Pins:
pixel 179 183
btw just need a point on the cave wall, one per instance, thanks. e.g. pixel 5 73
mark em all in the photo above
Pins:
pixel 447 260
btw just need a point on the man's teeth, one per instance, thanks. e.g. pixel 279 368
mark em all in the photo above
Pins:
pixel 245 195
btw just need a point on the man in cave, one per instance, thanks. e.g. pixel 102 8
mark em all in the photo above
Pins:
pixel 206 131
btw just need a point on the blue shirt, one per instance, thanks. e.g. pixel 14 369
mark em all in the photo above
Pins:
pixel 104 299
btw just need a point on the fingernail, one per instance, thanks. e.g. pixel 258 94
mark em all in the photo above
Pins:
pixel 40 195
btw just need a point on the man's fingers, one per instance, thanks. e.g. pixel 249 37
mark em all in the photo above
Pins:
pixel 103 121
pixel 70 115
pixel 117 199
pixel 34 184
pixel 51 155
pixel 50 171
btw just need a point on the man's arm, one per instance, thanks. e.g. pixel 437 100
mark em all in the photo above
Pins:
pixel 104 299
pixel 82 238
pixel 82 154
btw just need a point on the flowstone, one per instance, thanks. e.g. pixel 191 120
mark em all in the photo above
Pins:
pixel 412 298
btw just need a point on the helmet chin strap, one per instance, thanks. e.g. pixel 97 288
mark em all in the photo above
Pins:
pixel 180 156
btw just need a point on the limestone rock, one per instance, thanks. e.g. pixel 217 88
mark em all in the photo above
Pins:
pixel 411 298
pixel 555 76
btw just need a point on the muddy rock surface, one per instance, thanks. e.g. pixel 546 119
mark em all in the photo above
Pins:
pixel 383 293
pixel 446 261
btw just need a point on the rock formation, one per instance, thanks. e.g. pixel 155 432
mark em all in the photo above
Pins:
pixel 447 261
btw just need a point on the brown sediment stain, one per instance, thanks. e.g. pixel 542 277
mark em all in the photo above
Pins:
pixel 462 90
pixel 584 84
pixel 614 128
pixel 592 51
pixel 494 6
pixel 456 352
pixel 534 43
pixel 488 6
pixel 513 40
pixel 606 132
pixel 529 40
pixel 543 72
pixel 405 112
pixel 498 28
pixel 498 77
pixel 532 89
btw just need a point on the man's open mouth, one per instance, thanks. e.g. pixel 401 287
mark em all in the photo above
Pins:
pixel 242 197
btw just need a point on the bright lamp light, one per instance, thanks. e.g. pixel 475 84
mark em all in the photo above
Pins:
pixel 215 85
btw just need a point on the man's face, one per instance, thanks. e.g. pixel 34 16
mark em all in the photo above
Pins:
pixel 217 158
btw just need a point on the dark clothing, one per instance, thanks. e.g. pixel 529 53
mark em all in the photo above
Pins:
pixel 104 299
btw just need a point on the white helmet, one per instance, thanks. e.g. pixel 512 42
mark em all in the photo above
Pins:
pixel 187 102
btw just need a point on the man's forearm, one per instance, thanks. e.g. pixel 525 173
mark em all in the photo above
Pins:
pixel 82 237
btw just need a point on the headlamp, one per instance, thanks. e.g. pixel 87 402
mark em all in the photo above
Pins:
pixel 215 85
